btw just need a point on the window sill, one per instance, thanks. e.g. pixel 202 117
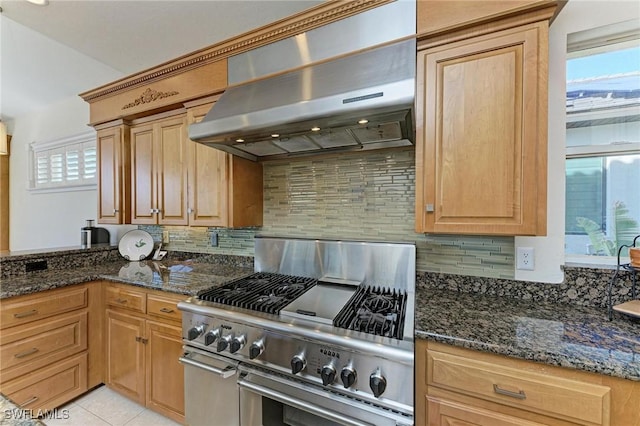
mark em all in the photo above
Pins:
pixel 89 187
pixel 593 262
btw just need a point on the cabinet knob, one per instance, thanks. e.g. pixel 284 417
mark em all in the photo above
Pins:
pixel 115 211
pixel 190 210
pixel 429 208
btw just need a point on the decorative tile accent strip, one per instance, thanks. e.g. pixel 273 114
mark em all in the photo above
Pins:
pixel 237 242
pixel 581 286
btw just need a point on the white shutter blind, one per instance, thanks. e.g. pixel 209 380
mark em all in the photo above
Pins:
pixel 67 163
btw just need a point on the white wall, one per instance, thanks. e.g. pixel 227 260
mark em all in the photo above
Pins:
pixel 48 220
pixel 577 15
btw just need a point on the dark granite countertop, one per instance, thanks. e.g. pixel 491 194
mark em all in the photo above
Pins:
pixel 182 277
pixel 557 334
pixel 11 415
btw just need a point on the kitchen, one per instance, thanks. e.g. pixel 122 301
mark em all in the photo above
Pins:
pixel 393 179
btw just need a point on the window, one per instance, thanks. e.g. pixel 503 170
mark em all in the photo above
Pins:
pixel 69 163
pixel 603 140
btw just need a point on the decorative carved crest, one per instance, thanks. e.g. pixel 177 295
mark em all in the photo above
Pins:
pixel 149 96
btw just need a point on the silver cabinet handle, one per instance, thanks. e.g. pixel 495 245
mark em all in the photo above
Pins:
pixel 25 314
pixel 518 395
pixel 190 210
pixel 121 301
pixel 115 211
pixel 26 353
pixel 166 310
pixel 29 401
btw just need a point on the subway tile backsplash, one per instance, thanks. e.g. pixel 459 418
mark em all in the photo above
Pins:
pixel 363 196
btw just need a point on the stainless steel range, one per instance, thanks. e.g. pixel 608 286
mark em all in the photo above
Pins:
pixel 320 334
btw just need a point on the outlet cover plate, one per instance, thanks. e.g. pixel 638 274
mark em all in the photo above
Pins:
pixel 525 258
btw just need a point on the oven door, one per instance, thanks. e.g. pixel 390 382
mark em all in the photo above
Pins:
pixel 268 399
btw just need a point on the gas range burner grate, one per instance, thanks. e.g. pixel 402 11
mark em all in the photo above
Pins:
pixel 262 291
pixel 374 310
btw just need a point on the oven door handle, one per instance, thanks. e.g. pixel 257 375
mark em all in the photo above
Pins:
pixel 224 373
pixel 302 405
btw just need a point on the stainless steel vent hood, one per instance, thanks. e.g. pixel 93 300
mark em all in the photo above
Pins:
pixel 358 101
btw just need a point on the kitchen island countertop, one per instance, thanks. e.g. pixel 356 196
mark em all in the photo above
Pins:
pixel 555 334
pixel 181 277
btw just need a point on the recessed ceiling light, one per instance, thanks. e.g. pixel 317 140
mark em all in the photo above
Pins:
pixel 240 140
pixel 39 2
pixel 275 135
pixel 363 121
pixel 315 129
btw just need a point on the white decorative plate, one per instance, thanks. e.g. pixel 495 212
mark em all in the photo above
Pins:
pixel 135 245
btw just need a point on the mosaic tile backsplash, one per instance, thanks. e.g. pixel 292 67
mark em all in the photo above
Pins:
pixel 364 196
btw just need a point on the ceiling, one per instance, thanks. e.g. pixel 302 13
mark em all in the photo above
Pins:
pixel 51 53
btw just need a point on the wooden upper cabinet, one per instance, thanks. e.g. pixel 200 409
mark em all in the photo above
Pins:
pixel 437 17
pixel 159 172
pixel 481 138
pixel 208 189
pixel 114 176
pixel 224 190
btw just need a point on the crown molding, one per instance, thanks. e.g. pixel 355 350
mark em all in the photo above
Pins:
pixel 332 10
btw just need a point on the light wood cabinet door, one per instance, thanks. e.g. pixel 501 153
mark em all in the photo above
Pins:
pixel 164 373
pixel 481 134
pixel 143 175
pixel 208 183
pixel 125 368
pixel 171 176
pixel 114 176
pixel 159 172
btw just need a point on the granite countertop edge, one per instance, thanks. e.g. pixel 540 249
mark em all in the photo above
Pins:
pixel 559 335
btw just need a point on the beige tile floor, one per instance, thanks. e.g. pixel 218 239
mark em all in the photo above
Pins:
pixel 105 407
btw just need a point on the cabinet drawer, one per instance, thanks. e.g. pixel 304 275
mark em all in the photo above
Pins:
pixel 46 304
pixel 163 307
pixel 575 401
pixel 51 386
pixel 126 299
pixel 442 412
pixel 24 349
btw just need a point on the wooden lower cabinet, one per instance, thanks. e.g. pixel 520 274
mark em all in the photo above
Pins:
pixel 456 386
pixel 125 355
pixel 50 345
pixel 164 373
pixel 143 348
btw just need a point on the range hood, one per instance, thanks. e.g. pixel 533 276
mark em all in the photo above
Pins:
pixel 358 101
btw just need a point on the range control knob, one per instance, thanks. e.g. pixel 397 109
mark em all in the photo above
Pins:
pixel 377 383
pixel 298 363
pixel 211 336
pixel 328 374
pixel 194 332
pixel 237 343
pixel 256 349
pixel 223 342
pixel 348 376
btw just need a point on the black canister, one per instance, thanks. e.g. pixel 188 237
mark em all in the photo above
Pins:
pixel 96 235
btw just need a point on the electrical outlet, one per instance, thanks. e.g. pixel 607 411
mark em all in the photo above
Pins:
pixel 525 258
pixel 214 239
pixel 165 237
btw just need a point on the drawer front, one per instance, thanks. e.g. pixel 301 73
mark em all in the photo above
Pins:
pixel 579 402
pixel 449 413
pixel 29 347
pixel 50 387
pixel 43 305
pixel 126 299
pixel 163 307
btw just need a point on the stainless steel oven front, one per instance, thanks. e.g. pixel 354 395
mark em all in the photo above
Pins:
pixel 271 399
